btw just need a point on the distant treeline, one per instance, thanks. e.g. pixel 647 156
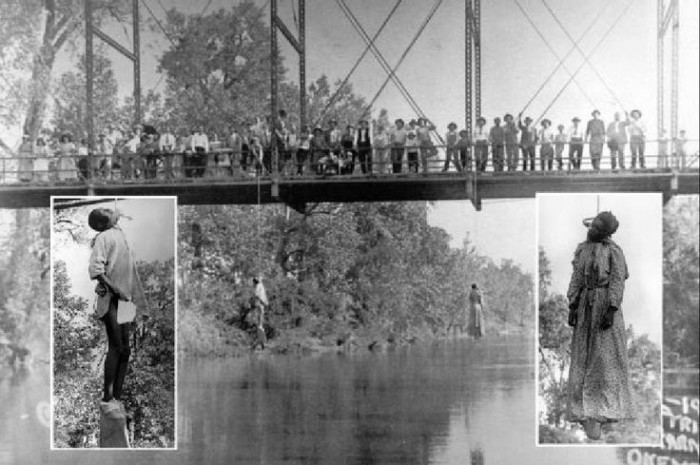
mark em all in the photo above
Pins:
pixel 344 276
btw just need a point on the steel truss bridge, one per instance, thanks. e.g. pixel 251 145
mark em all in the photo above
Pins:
pixel 297 191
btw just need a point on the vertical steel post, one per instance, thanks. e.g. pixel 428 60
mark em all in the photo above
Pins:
pixel 89 75
pixel 468 84
pixel 477 57
pixel 302 62
pixel 659 66
pixel 137 62
pixel 674 70
pixel 273 92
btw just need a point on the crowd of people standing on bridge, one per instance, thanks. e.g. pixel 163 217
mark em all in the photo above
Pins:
pixel 369 147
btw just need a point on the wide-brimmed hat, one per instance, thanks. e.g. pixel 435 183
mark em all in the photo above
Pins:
pixel 508 115
pixel 452 125
pixel 527 118
pixel 399 120
pixel 318 129
pixel 412 122
pixel 561 126
pixel 639 113
pixel 576 118
pixel 546 121
pixel 595 112
pixel 607 222
pixel 481 118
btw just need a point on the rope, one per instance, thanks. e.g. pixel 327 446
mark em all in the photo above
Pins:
pixel 595 70
pixel 359 60
pixel 602 39
pixel 431 13
pixel 561 61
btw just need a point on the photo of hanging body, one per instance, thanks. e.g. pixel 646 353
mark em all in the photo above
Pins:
pixel 115 257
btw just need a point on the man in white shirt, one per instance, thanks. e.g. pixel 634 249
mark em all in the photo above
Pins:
pixel 617 139
pixel 199 144
pixel 637 131
pixel 546 149
pixel 398 144
pixel 575 144
pixel 166 146
pixel 480 139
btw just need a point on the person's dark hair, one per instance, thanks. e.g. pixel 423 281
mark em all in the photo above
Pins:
pixel 101 219
pixel 474 286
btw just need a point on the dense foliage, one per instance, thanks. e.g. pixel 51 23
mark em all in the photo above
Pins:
pixel 681 282
pixel 644 358
pixel 344 276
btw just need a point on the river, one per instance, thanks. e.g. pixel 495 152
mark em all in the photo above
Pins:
pixel 447 402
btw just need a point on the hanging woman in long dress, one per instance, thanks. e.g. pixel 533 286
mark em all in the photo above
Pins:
pixel 598 387
pixel 476 313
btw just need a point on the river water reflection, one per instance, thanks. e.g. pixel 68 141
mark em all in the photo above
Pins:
pixel 449 402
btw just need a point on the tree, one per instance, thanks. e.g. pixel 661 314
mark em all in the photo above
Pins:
pixel 681 280
pixel 217 68
pixel 40 30
pixel 70 100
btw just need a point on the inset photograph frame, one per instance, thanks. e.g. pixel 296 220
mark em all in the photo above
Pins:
pixel 113 323
pixel 599 312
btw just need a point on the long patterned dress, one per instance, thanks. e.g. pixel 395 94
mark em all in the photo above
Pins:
pixel 476 314
pixel 598 376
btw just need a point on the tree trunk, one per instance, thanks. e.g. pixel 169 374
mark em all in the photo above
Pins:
pixel 41 82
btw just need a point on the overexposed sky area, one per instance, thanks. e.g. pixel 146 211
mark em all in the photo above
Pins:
pixel 560 230
pixel 150 233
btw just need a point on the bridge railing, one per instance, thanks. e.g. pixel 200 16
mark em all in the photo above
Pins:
pixel 232 165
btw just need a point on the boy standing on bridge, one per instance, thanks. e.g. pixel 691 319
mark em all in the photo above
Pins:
pixel 617 139
pixel 559 144
pixel 595 136
pixel 528 140
pixel 398 144
pixel 575 144
pixel 480 139
pixel 637 131
pixel 546 150
pixel 510 132
pixel 497 139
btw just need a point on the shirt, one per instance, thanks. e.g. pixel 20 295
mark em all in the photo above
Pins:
pixel 166 142
pixel 575 132
pixel 497 135
pixel 595 130
pixel 636 128
pixel 451 138
pixel 546 136
pixel 363 137
pixel 481 134
pixel 398 136
pixel 199 140
pixel 111 257
pixel 510 132
pixel 616 131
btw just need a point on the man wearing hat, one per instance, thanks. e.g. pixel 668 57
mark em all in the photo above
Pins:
pixel 528 140
pixel 560 140
pixel 510 132
pixel 333 136
pixel 398 144
pixel 617 139
pixel 497 139
pixel 637 131
pixel 451 151
pixel 595 136
pixel 546 138
pixel 575 144
pixel 598 387
pixel 363 143
pixel 480 138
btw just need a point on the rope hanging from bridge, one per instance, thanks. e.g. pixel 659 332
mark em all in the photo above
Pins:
pixel 598 44
pixel 369 46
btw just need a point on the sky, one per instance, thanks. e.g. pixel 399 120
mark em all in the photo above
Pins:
pixel 150 233
pixel 560 230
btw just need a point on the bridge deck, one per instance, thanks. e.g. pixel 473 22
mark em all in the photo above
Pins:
pixel 359 188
